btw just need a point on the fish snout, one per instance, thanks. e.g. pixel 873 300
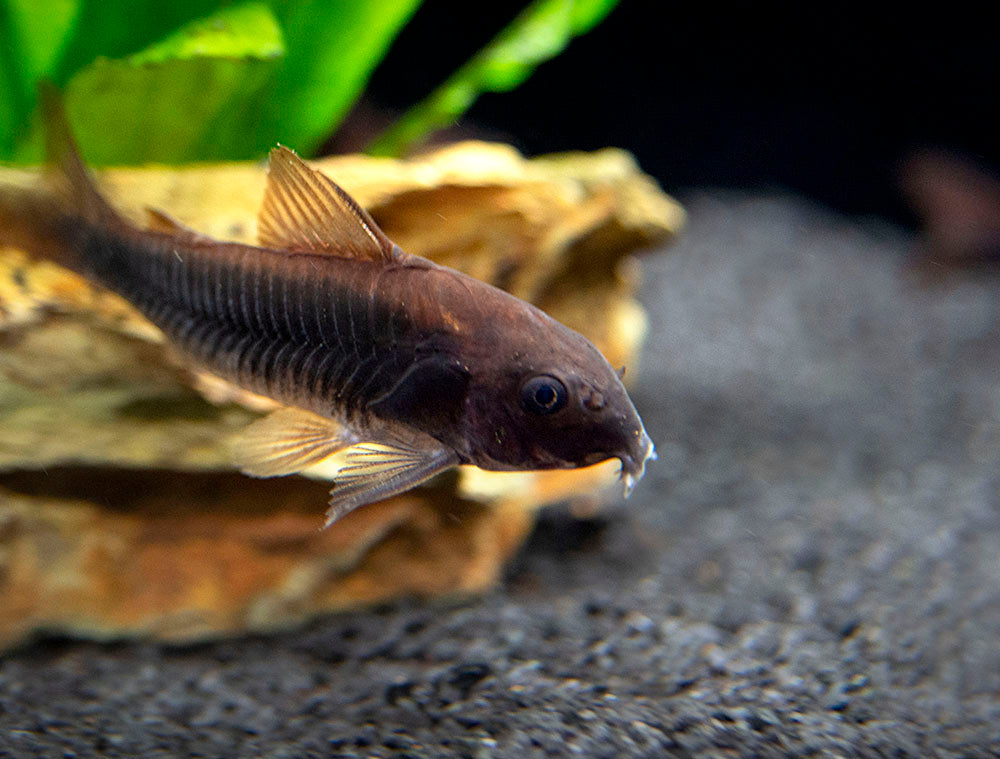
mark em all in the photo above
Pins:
pixel 640 450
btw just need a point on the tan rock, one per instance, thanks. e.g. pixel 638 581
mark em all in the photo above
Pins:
pixel 119 513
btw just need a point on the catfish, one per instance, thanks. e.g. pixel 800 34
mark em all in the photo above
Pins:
pixel 400 366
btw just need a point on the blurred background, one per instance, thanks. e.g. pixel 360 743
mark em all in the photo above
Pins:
pixel 830 101
pixel 871 109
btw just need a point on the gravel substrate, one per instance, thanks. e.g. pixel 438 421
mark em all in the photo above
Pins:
pixel 812 567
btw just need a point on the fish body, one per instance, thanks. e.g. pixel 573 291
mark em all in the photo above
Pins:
pixel 404 366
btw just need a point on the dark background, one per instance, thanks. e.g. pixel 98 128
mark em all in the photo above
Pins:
pixel 821 99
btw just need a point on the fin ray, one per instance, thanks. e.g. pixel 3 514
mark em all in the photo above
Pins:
pixel 287 441
pixel 306 211
pixel 375 471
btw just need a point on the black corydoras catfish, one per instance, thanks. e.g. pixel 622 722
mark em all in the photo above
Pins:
pixel 402 367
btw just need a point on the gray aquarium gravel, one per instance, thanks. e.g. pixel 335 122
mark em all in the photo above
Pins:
pixel 812 567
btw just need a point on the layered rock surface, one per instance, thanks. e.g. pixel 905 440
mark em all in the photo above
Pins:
pixel 119 509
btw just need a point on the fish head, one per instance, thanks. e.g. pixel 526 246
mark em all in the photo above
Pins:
pixel 547 399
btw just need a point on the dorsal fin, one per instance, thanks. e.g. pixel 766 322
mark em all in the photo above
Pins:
pixel 304 210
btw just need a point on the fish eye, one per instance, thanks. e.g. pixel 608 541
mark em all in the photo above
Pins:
pixel 543 395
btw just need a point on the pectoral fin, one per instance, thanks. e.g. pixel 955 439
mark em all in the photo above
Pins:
pixel 373 471
pixel 287 441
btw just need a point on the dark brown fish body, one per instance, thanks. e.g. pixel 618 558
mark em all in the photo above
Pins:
pixel 306 330
pixel 336 336
pixel 416 366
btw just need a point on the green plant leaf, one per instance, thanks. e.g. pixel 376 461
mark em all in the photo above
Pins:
pixel 159 115
pixel 120 28
pixel 39 37
pixel 218 87
pixel 12 101
pixel 242 31
pixel 31 44
pixel 334 46
pixel 541 32
pixel 183 98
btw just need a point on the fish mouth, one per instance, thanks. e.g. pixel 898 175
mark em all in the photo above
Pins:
pixel 634 462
